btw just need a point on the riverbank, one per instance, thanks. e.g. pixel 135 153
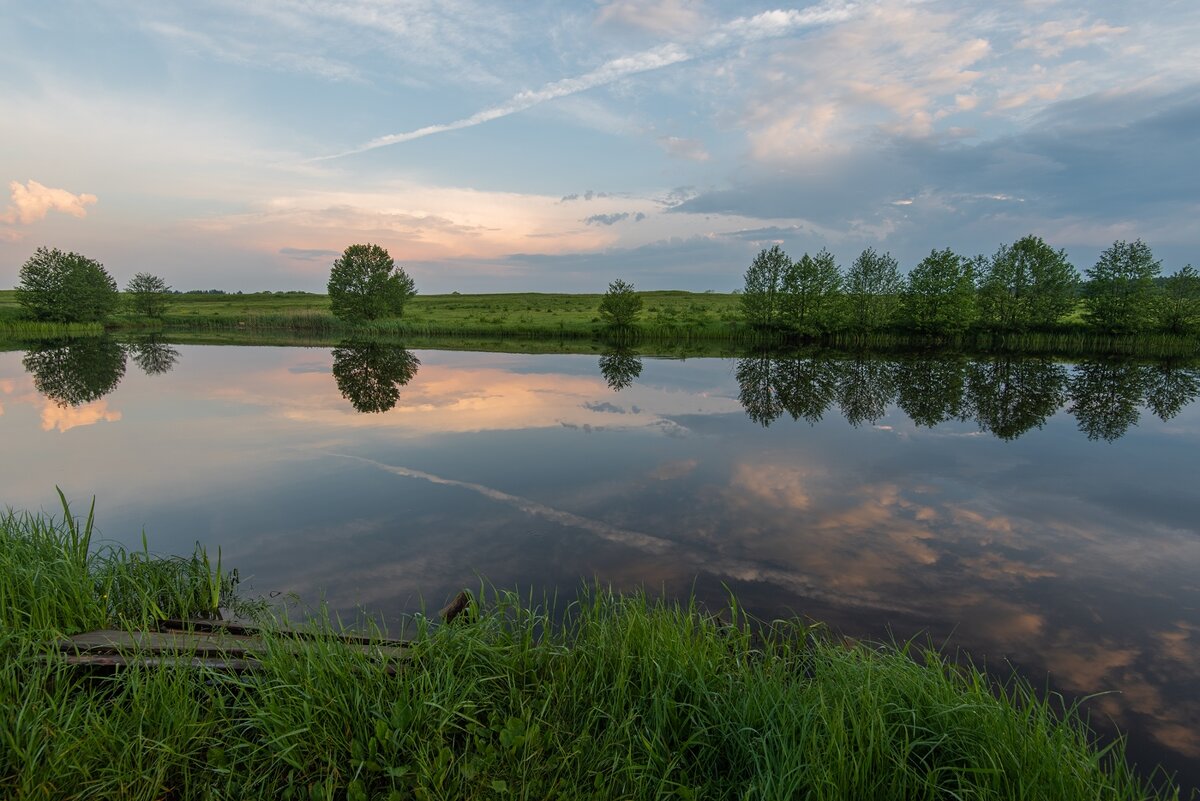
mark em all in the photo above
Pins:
pixel 670 319
pixel 614 697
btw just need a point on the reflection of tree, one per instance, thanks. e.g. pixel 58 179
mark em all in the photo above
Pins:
pixel 619 367
pixel 807 386
pixel 1170 388
pixel 77 372
pixel 866 388
pixel 757 388
pixel 154 357
pixel 1105 396
pixel 930 389
pixel 370 374
pixel 1012 395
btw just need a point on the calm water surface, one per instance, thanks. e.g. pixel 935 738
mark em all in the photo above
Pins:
pixel 1032 513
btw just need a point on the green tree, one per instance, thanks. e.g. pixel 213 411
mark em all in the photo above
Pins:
pixel 370 374
pixel 365 284
pixel 761 296
pixel 940 297
pixel 148 294
pixel 1120 293
pixel 873 287
pixel 66 287
pixel 1105 394
pixel 620 305
pixel 1026 285
pixel 811 291
pixel 930 390
pixel 1179 303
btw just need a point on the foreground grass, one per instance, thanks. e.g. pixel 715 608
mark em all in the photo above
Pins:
pixel 620 697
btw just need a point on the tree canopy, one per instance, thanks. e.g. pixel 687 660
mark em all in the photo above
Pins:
pixel 66 287
pixel 620 305
pixel 761 295
pixel 1120 293
pixel 872 286
pixel 148 294
pixel 811 291
pixel 1026 285
pixel 940 296
pixel 365 284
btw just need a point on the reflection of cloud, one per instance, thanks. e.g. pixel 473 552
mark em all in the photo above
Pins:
pixel 32 202
pixel 672 470
pixel 778 485
pixel 685 558
pixel 64 418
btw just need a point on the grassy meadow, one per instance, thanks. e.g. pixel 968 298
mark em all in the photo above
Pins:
pixel 612 697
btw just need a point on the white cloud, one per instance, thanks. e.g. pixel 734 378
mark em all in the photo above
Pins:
pixel 33 201
pixel 740 31
pixel 665 17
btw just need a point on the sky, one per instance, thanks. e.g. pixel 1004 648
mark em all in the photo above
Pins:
pixel 556 146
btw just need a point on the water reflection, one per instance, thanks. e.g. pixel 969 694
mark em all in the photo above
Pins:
pixel 78 372
pixel 620 366
pixel 153 356
pixel 370 374
pixel 1005 396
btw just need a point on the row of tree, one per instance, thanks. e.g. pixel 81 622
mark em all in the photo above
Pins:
pixel 1025 286
pixel 66 287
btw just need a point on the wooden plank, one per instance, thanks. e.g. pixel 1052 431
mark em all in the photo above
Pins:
pixel 247 630
pixel 213 645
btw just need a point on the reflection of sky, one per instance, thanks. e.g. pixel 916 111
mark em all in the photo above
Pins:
pixel 1067 556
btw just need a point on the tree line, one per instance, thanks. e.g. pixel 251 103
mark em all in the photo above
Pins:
pixel 1025 286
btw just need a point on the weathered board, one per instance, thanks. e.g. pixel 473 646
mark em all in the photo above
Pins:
pixel 219 645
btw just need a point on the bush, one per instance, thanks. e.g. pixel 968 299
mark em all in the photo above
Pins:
pixel 66 287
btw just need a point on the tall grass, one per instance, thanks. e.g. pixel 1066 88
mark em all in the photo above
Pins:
pixel 612 697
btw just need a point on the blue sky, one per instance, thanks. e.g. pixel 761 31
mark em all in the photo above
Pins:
pixel 556 146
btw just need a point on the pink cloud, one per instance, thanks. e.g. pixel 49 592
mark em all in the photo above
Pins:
pixel 33 201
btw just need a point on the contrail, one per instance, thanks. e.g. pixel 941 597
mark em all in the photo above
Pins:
pixel 743 30
pixel 680 555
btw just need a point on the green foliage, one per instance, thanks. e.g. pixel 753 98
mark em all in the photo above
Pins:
pixel 761 298
pixel 1026 285
pixel 370 374
pixel 365 284
pixel 1120 293
pixel 66 287
pixel 811 293
pixel 873 289
pixel 620 305
pixel 940 297
pixel 148 294
pixel 1179 303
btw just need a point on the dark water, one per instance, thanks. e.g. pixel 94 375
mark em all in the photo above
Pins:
pixel 1036 514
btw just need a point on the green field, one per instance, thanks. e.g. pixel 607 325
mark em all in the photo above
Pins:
pixel 611 697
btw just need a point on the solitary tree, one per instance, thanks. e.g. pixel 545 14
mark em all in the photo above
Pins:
pixel 940 297
pixel 1120 290
pixel 148 294
pixel 873 286
pixel 620 305
pixel 811 292
pixel 761 296
pixel 66 287
pixel 620 366
pixel 365 284
pixel 1179 304
pixel 1026 285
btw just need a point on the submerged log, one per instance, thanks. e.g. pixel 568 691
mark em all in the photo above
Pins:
pixel 455 609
